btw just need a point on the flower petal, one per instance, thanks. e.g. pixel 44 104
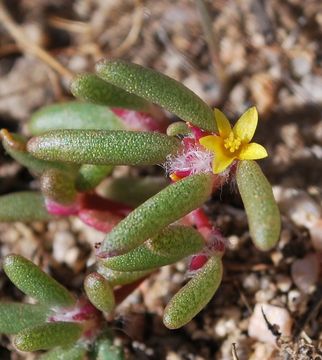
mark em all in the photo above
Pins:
pixel 212 143
pixel 221 162
pixel 252 151
pixel 223 123
pixel 246 125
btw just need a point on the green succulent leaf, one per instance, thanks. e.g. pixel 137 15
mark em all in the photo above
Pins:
pixel 169 205
pixel 35 283
pixel 178 128
pixel 194 296
pixel 15 317
pixel 58 186
pixel 90 176
pixel 103 147
pixel 262 211
pixel 73 115
pixel 105 350
pixel 48 336
pixel 24 206
pixel 169 246
pixel 15 146
pixel 99 292
pixel 91 88
pixel 159 89
pixel 121 277
pixel 74 352
pixel 134 191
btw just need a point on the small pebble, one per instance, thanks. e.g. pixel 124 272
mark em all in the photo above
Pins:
pixel 264 295
pixel 267 290
pixel 257 327
pixel 316 235
pixel 228 322
pixel 301 65
pixel 276 257
pixel 263 90
pixel 283 283
pixel 251 283
pixel 295 300
pixel 299 206
pixel 312 84
pixel 262 351
pixel 173 356
pixel 64 247
pixel 224 327
pixel 305 273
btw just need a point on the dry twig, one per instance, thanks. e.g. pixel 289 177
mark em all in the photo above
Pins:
pixel 234 351
pixel 316 303
pixel 212 41
pixel 27 46
pixel 134 32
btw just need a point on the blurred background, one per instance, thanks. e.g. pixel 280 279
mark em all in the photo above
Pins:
pixel 233 54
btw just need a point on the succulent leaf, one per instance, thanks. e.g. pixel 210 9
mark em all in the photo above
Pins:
pixel 178 128
pixel 99 292
pixel 15 146
pixel 74 352
pixel 90 176
pixel 24 206
pixel 58 186
pixel 169 246
pixel 194 296
pixel 35 283
pixel 48 336
pixel 103 147
pixel 105 350
pixel 15 317
pixel 74 115
pixel 121 277
pixel 91 88
pixel 134 191
pixel 262 211
pixel 159 89
pixel 169 205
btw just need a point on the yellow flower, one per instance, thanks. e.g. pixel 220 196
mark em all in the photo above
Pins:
pixel 233 143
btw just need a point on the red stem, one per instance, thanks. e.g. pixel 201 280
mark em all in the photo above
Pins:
pixel 92 201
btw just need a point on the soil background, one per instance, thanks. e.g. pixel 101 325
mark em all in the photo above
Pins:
pixel 237 54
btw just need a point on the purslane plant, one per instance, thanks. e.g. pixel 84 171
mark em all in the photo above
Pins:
pixel 76 145
pixel 68 327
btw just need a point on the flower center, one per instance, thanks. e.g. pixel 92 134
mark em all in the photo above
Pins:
pixel 232 142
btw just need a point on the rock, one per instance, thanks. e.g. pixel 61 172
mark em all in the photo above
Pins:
pixel 301 65
pixel 292 137
pixel 258 328
pixel 298 205
pixel 263 90
pixel 251 283
pixel 64 248
pixel 296 301
pixel 312 84
pixel 283 283
pixel 262 351
pixel 22 90
pixel 173 356
pixel 267 290
pixel 228 322
pixel 238 96
pixel 316 235
pixel 305 273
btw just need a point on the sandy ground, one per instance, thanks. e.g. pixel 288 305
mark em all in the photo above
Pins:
pixel 266 53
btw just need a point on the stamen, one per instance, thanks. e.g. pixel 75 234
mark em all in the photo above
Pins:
pixel 232 143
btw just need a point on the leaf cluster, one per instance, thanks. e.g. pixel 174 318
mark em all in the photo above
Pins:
pixel 76 145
